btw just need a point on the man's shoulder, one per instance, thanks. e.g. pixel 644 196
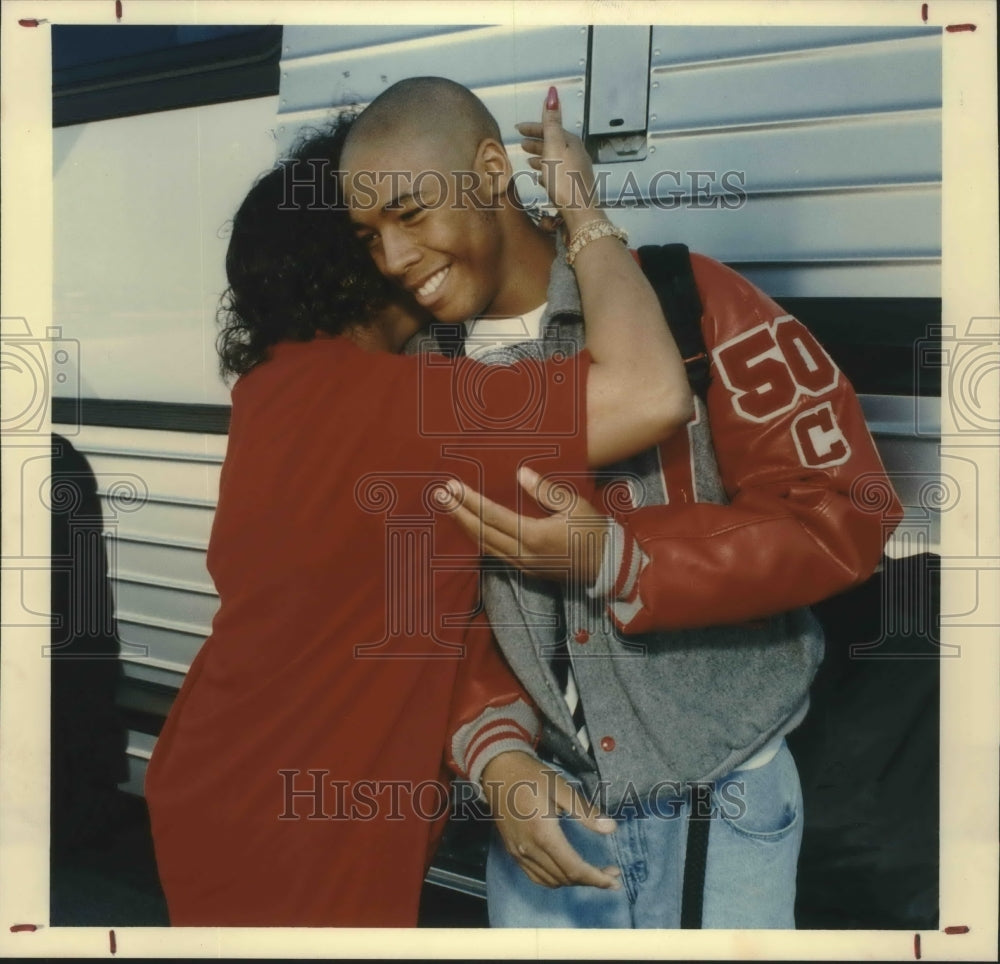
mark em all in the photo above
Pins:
pixel 726 295
pixel 710 272
pixel 715 279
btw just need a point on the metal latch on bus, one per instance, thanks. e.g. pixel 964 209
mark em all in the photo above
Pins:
pixel 615 121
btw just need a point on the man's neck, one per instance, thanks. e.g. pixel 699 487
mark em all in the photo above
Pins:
pixel 526 260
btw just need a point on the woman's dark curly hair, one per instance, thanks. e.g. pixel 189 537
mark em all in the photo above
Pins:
pixel 294 265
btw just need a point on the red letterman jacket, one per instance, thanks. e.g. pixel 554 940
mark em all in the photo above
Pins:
pixel 810 505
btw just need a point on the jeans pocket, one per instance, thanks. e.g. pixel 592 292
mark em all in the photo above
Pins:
pixel 764 804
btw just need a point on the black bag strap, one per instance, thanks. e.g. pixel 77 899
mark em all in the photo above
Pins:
pixel 668 268
pixel 696 858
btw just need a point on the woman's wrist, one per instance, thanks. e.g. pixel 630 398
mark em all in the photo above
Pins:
pixel 575 218
pixel 591 231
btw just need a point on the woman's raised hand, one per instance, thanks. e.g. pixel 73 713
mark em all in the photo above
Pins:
pixel 565 169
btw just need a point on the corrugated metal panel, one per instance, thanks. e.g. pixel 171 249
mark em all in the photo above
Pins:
pixel 155 651
pixel 792 157
pixel 137 553
pixel 166 479
pixel 816 82
pixel 691 45
pixel 838 226
pixel 305 41
pixel 172 602
pixel 806 115
pixel 479 57
pixel 168 526
pixel 509 70
pixel 871 279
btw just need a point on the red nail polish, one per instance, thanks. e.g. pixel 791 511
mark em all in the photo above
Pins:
pixel 552 101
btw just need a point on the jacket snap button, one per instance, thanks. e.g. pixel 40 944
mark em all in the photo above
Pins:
pixel 581 636
pixel 607 743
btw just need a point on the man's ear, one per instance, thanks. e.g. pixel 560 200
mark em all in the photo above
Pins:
pixel 494 169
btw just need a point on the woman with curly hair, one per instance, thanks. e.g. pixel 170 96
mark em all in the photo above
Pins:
pixel 299 779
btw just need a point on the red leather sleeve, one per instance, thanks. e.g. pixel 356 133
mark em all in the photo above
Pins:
pixel 811 507
pixel 490 711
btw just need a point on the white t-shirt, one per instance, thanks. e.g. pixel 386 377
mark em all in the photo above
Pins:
pixel 482 334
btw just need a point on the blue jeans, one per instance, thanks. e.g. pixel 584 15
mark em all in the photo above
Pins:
pixel 753 849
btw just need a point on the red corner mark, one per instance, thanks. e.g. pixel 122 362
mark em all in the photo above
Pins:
pixel 957 929
pixel 916 946
pixel 112 942
pixel 31 22
pixel 18 928
pixel 923 12
pixel 118 10
pixel 958 27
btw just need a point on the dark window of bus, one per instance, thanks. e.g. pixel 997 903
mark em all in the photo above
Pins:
pixel 100 72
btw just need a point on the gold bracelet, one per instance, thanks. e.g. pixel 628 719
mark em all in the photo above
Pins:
pixel 592 231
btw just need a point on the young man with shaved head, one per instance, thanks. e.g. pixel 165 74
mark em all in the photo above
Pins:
pixel 678 733
pixel 484 255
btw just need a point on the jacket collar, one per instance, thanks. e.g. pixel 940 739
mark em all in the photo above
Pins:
pixel 563 293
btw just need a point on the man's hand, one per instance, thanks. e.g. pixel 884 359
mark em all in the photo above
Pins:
pixel 568 545
pixel 526 798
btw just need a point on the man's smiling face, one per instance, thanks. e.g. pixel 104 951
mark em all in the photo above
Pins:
pixel 413 207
